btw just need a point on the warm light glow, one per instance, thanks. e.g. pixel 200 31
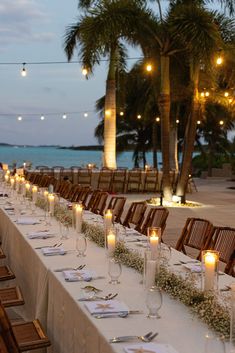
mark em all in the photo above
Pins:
pixel 230 100
pixel 107 112
pixel 121 113
pixel 226 94
pixel 138 116
pixel 84 71
pixel 64 116
pixel 157 119
pixel 42 117
pixel 202 94
pixel 219 60
pixel 210 258
pixel 23 71
pixel 207 94
pixel 149 67
pixel 221 122
pixel 177 121
pixel 19 118
pixel 85 115
pixel 198 122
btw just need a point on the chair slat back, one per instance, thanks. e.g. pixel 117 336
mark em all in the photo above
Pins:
pixel 100 203
pixel 84 176
pixel 105 178
pixel 151 181
pixel 116 204
pixel 119 180
pixel 135 214
pixel 6 331
pixel 156 217
pixel 134 180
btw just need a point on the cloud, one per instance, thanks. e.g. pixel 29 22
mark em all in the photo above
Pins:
pixel 19 20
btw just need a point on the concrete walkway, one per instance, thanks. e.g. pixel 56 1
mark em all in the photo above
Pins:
pixel 218 206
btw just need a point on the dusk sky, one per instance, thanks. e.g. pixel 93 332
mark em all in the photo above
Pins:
pixel 32 31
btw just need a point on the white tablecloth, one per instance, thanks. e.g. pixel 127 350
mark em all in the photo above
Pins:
pixel 70 327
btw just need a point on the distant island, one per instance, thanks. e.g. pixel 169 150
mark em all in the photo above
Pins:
pixel 83 148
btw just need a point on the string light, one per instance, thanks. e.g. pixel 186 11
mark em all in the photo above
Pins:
pixel 19 118
pixel 219 60
pixel 85 115
pixel 177 121
pixel 202 94
pixel 121 113
pixel 157 119
pixel 226 94
pixel 23 71
pixel 107 112
pixel 64 116
pixel 149 67
pixel 207 94
pixel 84 71
pixel 139 116
pixel 198 122
pixel 221 122
pixel 42 117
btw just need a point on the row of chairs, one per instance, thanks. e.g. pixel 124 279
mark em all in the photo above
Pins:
pixel 20 336
pixel 119 180
pixel 200 234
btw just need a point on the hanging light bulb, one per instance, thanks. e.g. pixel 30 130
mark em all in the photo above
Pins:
pixel 221 122
pixel 64 116
pixel 157 119
pixel 226 94
pixel 139 116
pixel 219 60
pixel 85 115
pixel 121 113
pixel 207 94
pixel 107 112
pixel 19 118
pixel 202 94
pixel 42 117
pixel 23 71
pixel 198 122
pixel 177 121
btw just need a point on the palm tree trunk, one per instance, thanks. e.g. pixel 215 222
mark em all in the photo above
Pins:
pixel 164 107
pixel 173 147
pixel 189 138
pixel 110 115
pixel 154 141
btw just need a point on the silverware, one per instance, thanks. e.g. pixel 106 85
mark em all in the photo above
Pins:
pixel 121 314
pixel 146 338
pixel 89 279
pixel 69 268
pixel 226 289
pixel 186 262
pixel 95 298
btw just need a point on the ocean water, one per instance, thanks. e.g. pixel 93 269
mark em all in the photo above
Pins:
pixel 52 156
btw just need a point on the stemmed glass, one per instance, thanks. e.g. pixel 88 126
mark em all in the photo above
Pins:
pixel 165 254
pixel 114 270
pixel 214 344
pixel 81 245
pixel 64 230
pixel 153 302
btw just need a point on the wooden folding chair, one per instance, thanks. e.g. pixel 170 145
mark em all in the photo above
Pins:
pixel 135 215
pixel 2 255
pixel 6 273
pixel 194 234
pixel 82 195
pixel 57 172
pixel 90 202
pixel 84 177
pixel 151 181
pixel 105 178
pixel 222 239
pixel 3 347
pixel 22 337
pixel 156 217
pixel 116 204
pixel 118 182
pixel 100 203
pixel 134 180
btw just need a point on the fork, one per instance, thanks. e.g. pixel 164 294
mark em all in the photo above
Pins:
pixel 69 268
pixel 146 338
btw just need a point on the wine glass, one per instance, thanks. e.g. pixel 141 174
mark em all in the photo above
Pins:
pixel 121 233
pixel 165 254
pixel 114 270
pixel 64 230
pixel 214 344
pixel 153 302
pixel 81 245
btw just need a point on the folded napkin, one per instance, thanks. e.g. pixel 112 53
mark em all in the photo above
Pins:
pixel 194 267
pixel 27 220
pixel 53 251
pixel 130 231
pixel 78 275
pixel 41 235
pixel 150 348
pixel 111 306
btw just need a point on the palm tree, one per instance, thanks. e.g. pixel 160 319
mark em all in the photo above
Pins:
pixel 97 35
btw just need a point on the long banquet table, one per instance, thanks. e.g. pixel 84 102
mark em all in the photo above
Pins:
pixel 54 301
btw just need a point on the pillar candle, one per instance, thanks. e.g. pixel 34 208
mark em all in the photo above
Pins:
pixel 34 193
pixel 108 219
pixel 111 243
pixel 51 200
pixel 150 273
pixel 45 194
pixel 210 267
pixel 6 178
pixel 78 218
pixel 17 181
pixel 154 244
pixel 12 181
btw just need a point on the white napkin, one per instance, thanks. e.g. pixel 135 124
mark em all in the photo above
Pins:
pixel 130 231
pixel 76 276
pixel 105 307
pixel 150 348
pixel 27 220
pixel 40 235
pixel 194 267
pixel 53 251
